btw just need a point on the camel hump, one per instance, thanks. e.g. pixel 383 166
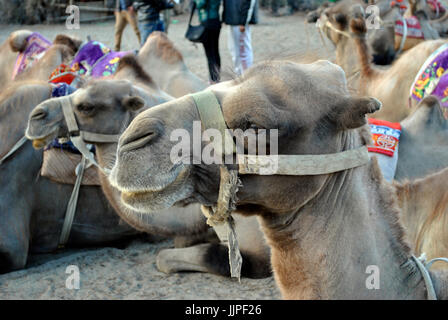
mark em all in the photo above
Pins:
pixel 164 47
pixel 70 42
pixel 18 40
pixel 130 61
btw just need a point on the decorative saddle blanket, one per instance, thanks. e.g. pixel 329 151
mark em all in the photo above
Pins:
pixel 93 59
pixel 35 49
pixel 432 78
pixel 414 29
pixel 386 137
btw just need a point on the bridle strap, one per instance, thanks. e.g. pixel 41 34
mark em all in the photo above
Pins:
pixel 80 137
pixel 303 165
pixel 219 216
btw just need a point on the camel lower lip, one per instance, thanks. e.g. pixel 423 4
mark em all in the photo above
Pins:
pixel 39 143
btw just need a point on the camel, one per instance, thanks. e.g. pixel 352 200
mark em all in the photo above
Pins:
pixel 32 208
pixel 165 64
pixel 390 86
pixel 383 43
pixel 324 230
pixel 187 225
pixel 61 51
pixel 423 141
pixel 211 257
pixel 424 203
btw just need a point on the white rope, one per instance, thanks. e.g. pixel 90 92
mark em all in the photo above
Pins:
pixel 72 203
pixel 424 270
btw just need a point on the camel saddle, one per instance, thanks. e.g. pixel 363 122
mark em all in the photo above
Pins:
pixel 60 162
pixel 432 78
pixel 36 47
pixel 414 34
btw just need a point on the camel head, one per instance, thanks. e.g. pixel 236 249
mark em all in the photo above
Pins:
pixel 100 107
pixel 308 104
pixel 335 20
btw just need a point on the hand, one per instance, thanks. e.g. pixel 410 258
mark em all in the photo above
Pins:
pixel 242 28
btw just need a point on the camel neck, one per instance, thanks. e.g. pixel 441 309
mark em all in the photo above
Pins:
pixel 328 248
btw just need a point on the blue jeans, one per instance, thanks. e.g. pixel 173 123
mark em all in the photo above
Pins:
pixel 146 28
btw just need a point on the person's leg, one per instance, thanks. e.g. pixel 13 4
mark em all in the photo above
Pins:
pixel 210 54
pixel 246 54
pixel 146 29
pixel 233 44
pixel 132 20
pixel 161 26
pixel 120 24
pixel 214 46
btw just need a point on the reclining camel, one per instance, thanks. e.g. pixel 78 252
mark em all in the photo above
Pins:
pixel 212 257
pixel 32 207
pixel 61 51
pixel 97 111
pixel 324 230
pixel 390 86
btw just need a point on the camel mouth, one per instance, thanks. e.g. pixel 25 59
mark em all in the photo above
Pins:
pixel 40 142
pixel 161 196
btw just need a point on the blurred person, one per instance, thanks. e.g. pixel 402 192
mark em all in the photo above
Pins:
pixel 209 17
pixel 124 14
pixel 239 14
pixel 149 16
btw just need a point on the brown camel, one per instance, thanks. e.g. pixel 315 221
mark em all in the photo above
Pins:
pixel 32 208
pixel 324 230
pixel 424 204
pixel 423 147
pixel 97 111
pixel 390 86
pixel 61 51
pixel 165 64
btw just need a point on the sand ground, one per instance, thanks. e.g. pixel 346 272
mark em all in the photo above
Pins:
pixel 110 273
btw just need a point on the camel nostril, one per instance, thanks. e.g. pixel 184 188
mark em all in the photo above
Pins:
pixel 144 133
pixel 136 141
pixel 39 114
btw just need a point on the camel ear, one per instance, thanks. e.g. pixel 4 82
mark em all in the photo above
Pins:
pixel 352 114
pixel 133 103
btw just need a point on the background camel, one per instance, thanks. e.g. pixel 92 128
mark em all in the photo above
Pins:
pixel 62 51
pixel 390 86
pixel 106 116
pixel 323 230
pixel 165 64
pixel 423 147
pixel 32 208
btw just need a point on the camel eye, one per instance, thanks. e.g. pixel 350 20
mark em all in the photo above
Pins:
pixel 85 108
